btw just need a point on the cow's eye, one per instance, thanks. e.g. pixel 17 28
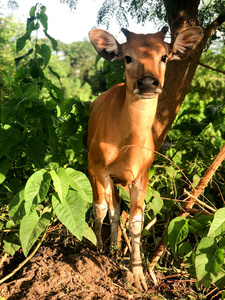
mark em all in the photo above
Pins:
pixel 164 58
pixel 128 59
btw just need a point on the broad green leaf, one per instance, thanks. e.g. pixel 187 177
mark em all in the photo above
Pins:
pixel 54 42
pixel 8 138
pixel 156 204
pixel 219 280
pixel 71 212
pixel 208 260
pixel 79 182
pixel 11 243
pixel 36 189
pixel 32 225
pixel 177 232
pixel 89 234
pixel 123 194
pixel 16 207
pixel 222 243
pixel 44 21
pixel 200 225
pixel 32 11
pixel 35 150
pixel 218 224
pixel 52 166
pixel 184 249
pixel 61 182
pixel 45 52
pixel 4 168
pixel 18 59
pixel 10 225
pixel 20 42
pixel 9 109
pixel 56 75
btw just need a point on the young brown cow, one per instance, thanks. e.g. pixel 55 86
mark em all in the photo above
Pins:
pixel 120 137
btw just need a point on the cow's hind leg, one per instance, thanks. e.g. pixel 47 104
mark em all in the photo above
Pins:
pixel 113 201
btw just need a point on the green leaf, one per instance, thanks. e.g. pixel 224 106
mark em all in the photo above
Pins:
pixel 9 109
pixel 171 171
pixel 32 11
pixel 11 243
pixel 89 234
pixel 177 232
pixel 54 42
pixel 36 189
pixel 32 225
pixel 218 224
pixel 56 75
pixel 18 59
pixel 208 260
pixel 4 168
pixel 61 182
pixel 79 182
pixel 44 21
pixel 200 225
pixel 16 207
pixel 184 249
pixel 45 52
pixel 9 137
pixel 219 281
pixel 35 149
pixel 71 212
pixel 156 204
pixel 20 43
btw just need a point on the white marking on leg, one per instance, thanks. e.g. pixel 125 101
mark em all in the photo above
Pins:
pixel 100 210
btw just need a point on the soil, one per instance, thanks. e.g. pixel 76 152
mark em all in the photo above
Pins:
pixel 79 272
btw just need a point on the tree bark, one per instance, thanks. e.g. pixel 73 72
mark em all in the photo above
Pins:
pixel 179 74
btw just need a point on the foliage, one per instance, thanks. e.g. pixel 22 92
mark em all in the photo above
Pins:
pixel 145 10
pixel 42 150
pixel 9 32
pixel 43 155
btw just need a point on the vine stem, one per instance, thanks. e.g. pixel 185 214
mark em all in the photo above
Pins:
pixel 26 260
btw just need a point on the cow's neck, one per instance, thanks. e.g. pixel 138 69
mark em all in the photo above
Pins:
pixel 138 115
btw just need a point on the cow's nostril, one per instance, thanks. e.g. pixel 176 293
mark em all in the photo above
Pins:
pixel 139 82
pixel 155 82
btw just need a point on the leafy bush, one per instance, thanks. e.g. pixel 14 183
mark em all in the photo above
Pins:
pixel 42 148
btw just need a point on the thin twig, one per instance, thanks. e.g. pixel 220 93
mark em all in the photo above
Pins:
pixel 199 201
pixel 210 68
pixel 151 223
pixel 3 259
pixel 126 237
pixel 26 260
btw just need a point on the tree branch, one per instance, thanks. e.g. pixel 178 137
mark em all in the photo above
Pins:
pixel 210 68
pixel 203 182
pixel 210 29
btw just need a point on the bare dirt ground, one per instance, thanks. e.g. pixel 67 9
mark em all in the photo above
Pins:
pixel 78 272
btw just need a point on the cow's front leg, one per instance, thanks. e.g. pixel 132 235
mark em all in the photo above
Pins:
pixel 100 206
pixel 137 206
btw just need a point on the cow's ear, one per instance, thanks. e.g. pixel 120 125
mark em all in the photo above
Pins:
pixel 105 44
pixel 186 42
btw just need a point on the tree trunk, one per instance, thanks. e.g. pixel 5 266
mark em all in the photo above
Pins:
pixel 179 74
